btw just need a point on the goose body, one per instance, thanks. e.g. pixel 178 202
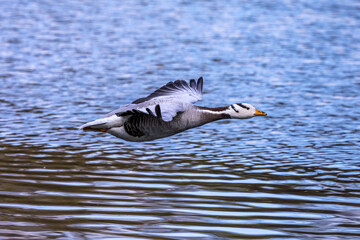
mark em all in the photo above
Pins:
pixel 167 111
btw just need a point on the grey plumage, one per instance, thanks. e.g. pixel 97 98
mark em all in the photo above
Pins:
pixel 153 116
pixel 173 87
pixel 165 112
pixel 171 97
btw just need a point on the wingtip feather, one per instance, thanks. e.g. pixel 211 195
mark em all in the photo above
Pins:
pixel 200 84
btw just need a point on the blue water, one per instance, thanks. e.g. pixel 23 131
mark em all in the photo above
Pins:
pixel 291 175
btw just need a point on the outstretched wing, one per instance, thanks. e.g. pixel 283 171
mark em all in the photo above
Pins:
pixel 172 98
pixel 191 92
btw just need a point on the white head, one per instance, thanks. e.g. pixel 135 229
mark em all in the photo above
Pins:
pixel 243 110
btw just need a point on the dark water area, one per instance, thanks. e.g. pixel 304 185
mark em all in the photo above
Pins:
pixel 294 174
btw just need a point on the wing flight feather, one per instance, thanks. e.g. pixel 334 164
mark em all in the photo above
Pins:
pixel 166 101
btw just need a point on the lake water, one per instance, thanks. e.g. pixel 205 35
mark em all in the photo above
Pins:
pixel 294 174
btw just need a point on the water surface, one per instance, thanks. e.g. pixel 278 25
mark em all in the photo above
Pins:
pixel 291 175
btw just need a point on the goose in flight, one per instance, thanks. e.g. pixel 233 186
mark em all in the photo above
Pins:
pixel 167 111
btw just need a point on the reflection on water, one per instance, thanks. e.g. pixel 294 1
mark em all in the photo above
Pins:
pixel 291 175
pixel 162 192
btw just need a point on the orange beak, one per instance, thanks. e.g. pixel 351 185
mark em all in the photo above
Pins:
pixel 259 113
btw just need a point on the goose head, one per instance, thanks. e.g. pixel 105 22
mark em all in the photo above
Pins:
pixel 243 110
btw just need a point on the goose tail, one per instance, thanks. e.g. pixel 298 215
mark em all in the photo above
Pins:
pixel 102 124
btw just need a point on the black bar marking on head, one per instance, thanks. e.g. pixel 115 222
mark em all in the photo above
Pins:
pixel 243 106
pixel 232 106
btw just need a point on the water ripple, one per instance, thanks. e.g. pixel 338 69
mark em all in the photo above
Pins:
pixel 291 175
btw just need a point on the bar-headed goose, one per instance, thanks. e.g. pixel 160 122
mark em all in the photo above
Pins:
pixel 165 112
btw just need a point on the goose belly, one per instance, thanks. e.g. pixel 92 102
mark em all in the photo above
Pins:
pixel 155 128
pixel 120 132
